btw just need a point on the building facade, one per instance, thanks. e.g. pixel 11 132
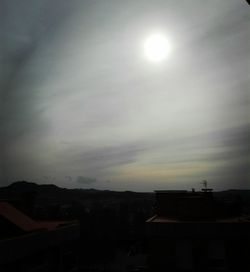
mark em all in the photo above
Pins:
pixel 190 232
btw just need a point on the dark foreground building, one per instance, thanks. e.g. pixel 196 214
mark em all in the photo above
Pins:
pixel 191 231
pixel 27 245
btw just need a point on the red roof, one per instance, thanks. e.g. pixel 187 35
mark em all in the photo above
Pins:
pixel 26 223
pixel 17 217
pixel 52 225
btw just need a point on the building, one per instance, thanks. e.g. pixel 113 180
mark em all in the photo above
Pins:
pixel 191 232
pixel 27 245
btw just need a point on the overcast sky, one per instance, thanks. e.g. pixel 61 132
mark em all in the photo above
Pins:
pixel 81 106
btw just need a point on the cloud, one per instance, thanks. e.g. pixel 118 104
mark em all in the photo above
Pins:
pixel 77 96
pixel 69 178
pixel 20 50
pixel 85 180
pixel 104 158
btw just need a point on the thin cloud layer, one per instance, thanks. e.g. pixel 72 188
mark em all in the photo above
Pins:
pixel 85 180
pixel 79 99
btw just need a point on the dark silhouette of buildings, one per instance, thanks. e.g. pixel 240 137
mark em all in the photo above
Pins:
pixel 192 231
pixel 28 245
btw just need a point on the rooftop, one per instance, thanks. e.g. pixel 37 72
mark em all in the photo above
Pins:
pixel 27 224
pixel 164 219
pixel 18 218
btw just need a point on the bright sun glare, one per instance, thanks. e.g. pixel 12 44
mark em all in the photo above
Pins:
pixel 156 47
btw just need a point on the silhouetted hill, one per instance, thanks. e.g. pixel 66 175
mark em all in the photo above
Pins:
pixel 26 186
pixel 46 194
pixel 50 193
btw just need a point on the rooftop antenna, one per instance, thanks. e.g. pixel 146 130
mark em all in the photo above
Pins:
pixel 205 189
pixel 204 182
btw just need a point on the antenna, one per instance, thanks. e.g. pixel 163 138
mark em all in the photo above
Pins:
pixel 205 189
pixel 204 182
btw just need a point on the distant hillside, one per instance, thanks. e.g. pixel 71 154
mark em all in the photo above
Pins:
pixel 51 193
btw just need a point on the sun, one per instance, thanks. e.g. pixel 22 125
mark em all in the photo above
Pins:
pixel 156 47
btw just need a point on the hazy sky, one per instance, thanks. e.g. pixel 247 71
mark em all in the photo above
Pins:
pixel 81 106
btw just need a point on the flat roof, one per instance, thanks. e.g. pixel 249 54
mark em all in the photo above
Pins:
pixel 165 219
pixel 171 191
pixel 52 225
